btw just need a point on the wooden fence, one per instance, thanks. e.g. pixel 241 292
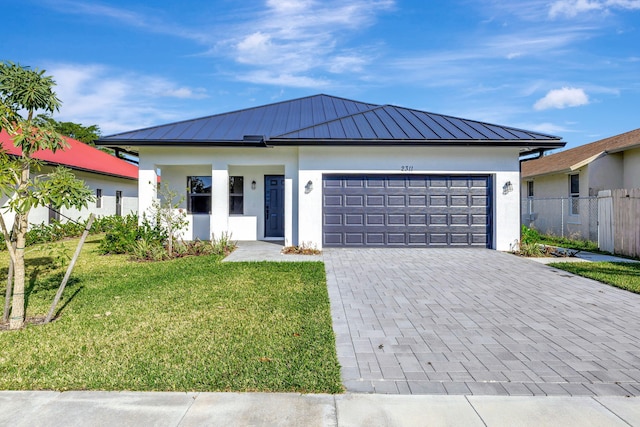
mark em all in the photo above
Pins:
pixel 619 221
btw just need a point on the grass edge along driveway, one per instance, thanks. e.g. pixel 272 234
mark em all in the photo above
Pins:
pixel 191 324
pixel 623 275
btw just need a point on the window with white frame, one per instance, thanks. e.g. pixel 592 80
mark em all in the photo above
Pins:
pixel 236 195
pixel 574 194
pixel 98 197
pixel 529 188
pixel 199 194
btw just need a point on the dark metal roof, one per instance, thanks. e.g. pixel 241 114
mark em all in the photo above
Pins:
pixel 328 120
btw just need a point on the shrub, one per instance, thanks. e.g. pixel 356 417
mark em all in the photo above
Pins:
pixel 223 245
pixel 121 235
pixel 305 248
pixel 529 235
pixel 149 250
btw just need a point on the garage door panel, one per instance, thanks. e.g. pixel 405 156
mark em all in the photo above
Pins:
pixel 351 219
pixel 331 201
pixel 333 219
pixel 375 183
pixel 417 219
pixel 459 201
pixel 459 219
pixel 353 239
pixel 376 200
pixel 406 210
pixel 375 219
pixel 357 201
pixel 375 239
pixel 396 238
pixel 419 200
pixel 396 201
pixel 438 200
pixel 395 219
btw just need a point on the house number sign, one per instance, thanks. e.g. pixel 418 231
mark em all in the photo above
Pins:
pixel 406 168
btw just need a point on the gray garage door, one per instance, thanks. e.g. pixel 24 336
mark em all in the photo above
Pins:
pixel 406 210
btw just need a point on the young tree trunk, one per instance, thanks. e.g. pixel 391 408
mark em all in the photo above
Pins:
pixel 16 320
pixel 11 248
pixel 7 296
pixel 17 307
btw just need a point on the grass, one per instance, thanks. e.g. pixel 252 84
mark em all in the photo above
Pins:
pixel 578 245
pixel 624 275
pixel 191 324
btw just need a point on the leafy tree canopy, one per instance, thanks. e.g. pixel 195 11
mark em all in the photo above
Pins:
pixel 79 132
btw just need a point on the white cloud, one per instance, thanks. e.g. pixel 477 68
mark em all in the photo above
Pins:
pixel 572 8
pixel 282 79
pixel 146 20
pixel 546 127
pixel 117 101
pixel 562 98
pixel 292 39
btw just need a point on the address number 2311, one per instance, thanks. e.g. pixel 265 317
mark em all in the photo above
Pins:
pixel 406 168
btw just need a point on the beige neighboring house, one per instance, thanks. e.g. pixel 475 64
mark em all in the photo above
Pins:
pixel 563 186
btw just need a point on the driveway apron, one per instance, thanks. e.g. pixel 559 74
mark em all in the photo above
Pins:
pixel 481 322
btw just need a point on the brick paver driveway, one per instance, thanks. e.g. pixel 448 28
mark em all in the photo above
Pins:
pixel 459 321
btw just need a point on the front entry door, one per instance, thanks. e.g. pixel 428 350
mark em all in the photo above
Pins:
pixel 274 206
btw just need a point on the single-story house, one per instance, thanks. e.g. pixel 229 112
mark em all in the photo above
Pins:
pixel 565 184
pixel 114 181
pixel 333 172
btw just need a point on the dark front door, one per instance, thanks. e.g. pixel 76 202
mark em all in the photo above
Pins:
pixel 273 206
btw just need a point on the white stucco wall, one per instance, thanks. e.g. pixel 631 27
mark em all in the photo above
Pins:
pixel 299 165
pixel 108 184
pixel 220 164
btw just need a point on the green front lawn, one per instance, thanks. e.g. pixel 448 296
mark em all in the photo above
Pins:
pixel 191 324
pixel 625 275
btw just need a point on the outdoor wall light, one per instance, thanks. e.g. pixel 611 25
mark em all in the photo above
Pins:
pixel 253 184
pixel 507 187
pixel 308 187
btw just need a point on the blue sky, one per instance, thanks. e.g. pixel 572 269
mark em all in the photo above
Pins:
pixel 565 67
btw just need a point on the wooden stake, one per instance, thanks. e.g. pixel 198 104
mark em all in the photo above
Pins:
pixel 56 300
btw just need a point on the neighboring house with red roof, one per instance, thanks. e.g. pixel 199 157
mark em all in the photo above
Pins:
pixel 575 175
pixel 114 182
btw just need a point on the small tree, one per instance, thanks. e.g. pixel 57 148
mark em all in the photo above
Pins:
pixel 25 90
pixel 167 212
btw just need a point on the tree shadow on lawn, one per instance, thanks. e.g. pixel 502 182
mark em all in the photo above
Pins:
pixel 40 281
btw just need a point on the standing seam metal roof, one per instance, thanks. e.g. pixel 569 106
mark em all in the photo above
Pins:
pixel 323 118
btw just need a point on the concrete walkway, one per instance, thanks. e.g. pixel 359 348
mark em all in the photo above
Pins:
pixel 81 409
pixel 478 322
pixel 582 256
pixel 248 251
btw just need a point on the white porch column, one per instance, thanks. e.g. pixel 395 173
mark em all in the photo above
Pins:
pixel 288 212
pixel 219 201
pixel 147 189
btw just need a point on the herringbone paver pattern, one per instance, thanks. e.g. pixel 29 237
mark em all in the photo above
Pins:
pixel 467 321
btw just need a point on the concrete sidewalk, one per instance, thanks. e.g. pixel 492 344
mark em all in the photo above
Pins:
pixel 88 408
